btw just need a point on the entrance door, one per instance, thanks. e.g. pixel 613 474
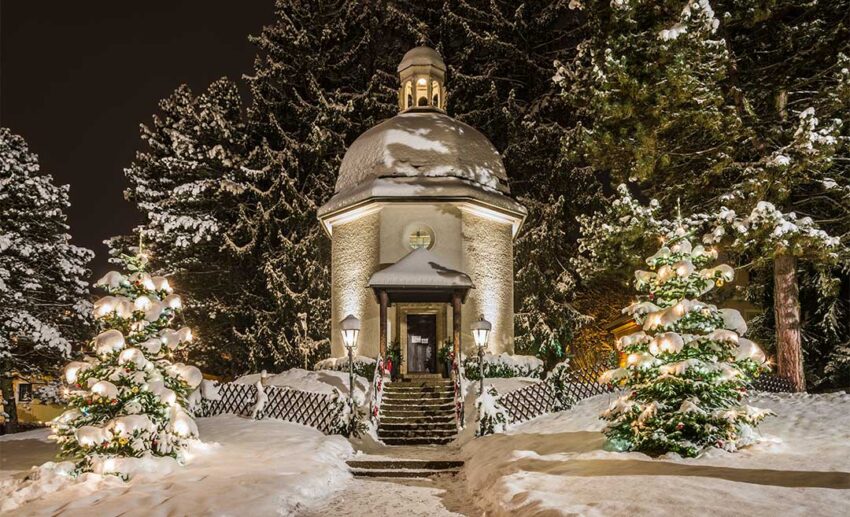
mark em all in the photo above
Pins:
pixel 422 343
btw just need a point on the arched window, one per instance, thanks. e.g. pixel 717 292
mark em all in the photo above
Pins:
pixel 422 91
pixel 408 94
pixel 435 94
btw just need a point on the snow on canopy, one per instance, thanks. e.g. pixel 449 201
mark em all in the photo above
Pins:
pixel 419 268
pixel 422 142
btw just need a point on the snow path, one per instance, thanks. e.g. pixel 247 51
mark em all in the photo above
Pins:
pixel 443 496
pixel 439 496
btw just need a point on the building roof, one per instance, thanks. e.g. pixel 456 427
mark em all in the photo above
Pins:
pixel 420 269
pixel 422 142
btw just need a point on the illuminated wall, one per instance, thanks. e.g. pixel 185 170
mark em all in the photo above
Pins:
pixel 355 252
pixel 488 260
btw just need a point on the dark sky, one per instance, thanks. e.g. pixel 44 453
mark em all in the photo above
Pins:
pixel 77 79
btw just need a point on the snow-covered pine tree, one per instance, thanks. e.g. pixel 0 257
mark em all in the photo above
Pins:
pixel 500 58
pixel 188 182
pixel 793 179
pixel 678 116
pixel 325 72
pixel 44 303
pixel 129 400
pixel 649 89
pixel 688 369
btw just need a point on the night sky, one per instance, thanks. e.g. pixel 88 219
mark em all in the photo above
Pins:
pixel 77 79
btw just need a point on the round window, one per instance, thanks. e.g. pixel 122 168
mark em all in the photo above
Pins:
pixel 420 236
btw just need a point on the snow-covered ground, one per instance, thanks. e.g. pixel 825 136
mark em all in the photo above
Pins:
pixel 244 467
pixel 556 464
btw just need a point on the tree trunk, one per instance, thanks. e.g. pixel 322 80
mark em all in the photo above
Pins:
pixel 786 308
pixel 6 386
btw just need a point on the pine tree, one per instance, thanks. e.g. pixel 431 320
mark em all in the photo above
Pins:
pixel 188 182
pixel 688 369
pixel 43 295
pixel 130 399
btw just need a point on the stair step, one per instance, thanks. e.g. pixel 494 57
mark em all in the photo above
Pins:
pixel 417 441
pixel 421 420
pixel 417 413
pixel 407 473
pixel 418 393
pixel 409 426
pixel 417 387
pixel 405 464
pixel 421 433
pixel 426 403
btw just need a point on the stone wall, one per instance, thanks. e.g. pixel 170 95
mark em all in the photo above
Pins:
pixel 488 260
pixel 355 255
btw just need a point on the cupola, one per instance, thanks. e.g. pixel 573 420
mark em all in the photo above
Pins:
pixel 423 76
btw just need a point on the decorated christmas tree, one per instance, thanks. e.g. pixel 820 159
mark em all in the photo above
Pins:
pixel 687 371
pixel 129 400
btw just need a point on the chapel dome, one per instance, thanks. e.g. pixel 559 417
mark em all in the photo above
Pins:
pixel 424 143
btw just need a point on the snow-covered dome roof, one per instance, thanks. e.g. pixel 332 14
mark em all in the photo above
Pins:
pixel 422 56
pixel 423 142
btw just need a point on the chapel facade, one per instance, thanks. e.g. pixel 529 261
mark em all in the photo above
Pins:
pixel 422 225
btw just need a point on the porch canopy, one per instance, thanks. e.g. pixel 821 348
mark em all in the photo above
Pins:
pixel 419 277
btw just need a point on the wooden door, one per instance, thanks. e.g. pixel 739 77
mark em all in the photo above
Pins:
pixel 422 343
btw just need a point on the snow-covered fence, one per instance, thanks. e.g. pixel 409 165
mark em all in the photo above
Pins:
pixel 322 411
pixel 529 402
pixel 562 388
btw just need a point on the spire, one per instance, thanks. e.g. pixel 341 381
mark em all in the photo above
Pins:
pixel 422 73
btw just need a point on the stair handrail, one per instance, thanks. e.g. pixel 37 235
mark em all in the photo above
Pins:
pixel 457 383
pixel 377 390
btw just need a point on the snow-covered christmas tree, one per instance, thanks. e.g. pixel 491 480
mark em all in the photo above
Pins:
pixel 687 371
pixel 129 400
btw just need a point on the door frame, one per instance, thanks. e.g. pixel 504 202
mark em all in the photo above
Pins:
pixel 402 311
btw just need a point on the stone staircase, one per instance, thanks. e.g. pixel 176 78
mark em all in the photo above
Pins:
pixel 418 410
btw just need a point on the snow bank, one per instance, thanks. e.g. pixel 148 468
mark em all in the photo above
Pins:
pixel 557 464
pixel 322 381
pixel 264 467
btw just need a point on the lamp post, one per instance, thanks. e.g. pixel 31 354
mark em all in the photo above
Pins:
pixel 350 328
pixel 481 333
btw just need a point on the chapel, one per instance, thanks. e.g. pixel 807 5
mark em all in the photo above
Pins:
pixel 422 225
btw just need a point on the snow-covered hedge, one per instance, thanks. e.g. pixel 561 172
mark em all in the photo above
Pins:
pixel 503 365
pixel 363 366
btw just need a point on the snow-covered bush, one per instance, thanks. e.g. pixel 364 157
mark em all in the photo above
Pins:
pixel 492 415
pixel 558 378
pixel 50 393
pixel 363 366
pixel 503 365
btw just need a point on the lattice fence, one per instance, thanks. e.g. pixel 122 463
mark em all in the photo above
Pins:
pixel 528 402
pixel 322 411
pixel 544 397
pixel 554 394
pixel 772 384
